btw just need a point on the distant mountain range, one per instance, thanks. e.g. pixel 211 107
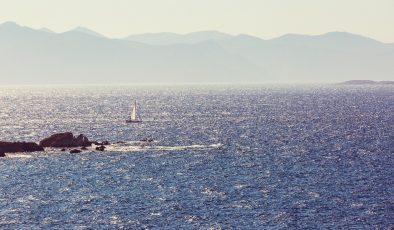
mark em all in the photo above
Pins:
pixel 29 56
pixel 173 38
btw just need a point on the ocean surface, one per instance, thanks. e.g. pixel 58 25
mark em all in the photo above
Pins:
pixel 224 157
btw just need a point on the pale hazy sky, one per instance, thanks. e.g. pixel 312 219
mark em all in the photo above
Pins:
pixel 263 18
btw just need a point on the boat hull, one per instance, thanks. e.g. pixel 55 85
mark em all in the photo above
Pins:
pixel 133 121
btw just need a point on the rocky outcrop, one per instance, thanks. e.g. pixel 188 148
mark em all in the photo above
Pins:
pixel 75 151
pixel 67 139
pixel 59 140
pixel 100 148
pixel 18 147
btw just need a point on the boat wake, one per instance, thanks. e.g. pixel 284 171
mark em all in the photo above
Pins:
pixel 15 155
pixel 136 146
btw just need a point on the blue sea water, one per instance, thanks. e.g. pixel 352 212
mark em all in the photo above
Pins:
pixel 224 157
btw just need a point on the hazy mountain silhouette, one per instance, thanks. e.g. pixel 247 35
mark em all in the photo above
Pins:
pixel 46 30
pixel 335 56
pixel 85 30
pixel 173 38
pixel 29 56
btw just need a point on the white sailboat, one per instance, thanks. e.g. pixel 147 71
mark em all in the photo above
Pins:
pixel 134 118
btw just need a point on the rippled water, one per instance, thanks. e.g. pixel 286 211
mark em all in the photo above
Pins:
pixel 247 157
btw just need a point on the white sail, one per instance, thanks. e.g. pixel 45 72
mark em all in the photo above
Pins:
pixel 134 111
pixel 134 117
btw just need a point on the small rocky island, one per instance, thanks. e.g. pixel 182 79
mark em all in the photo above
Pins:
pixel 367 82
pixel 58 140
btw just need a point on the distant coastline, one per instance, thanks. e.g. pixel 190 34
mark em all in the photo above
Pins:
pixel 366 82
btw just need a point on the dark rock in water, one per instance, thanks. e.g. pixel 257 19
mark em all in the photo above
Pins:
pixel 63 150
pixel 147 140
pixel 18 147
pixel 101 143
pixel 2 154
pixel 65 140
pixel 100 148
pixel 75 151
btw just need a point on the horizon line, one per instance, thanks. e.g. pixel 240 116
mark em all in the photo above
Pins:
pixel 157 84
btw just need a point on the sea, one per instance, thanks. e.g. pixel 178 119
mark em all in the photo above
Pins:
pixel 222 157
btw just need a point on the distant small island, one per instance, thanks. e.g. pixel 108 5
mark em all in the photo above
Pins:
pixel 366 82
